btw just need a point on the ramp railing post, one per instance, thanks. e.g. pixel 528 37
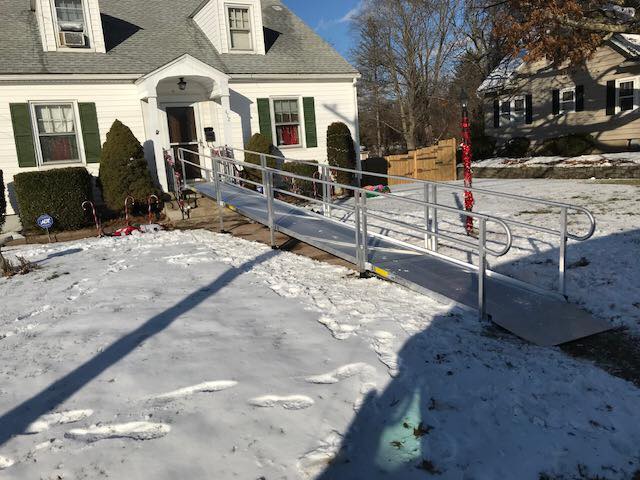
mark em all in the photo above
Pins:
pixel 482 268
pixel 270 211
pixel 359 262
pixel 427 214
pixel 326 191
pixel 562 285
pixel 184 168
pixel 263 164
pixel 434 221
pixel 216 181
pixel 365 230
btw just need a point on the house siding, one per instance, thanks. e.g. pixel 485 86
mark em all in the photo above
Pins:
pixel 334 102
pixel 113 101
pixel 536 79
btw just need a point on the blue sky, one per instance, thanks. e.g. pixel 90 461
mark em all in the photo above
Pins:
pixel 329 18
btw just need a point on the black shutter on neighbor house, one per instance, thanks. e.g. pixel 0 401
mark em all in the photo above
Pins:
pixel 611 97
pixel 528 100
pixel 556 102
pixel 90 132
pixel 496 113
pixel 264 118
pixel 579 98
pixel 311 133
pixel 23 134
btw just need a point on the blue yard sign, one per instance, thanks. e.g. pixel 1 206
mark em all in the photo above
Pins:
pixel 45 222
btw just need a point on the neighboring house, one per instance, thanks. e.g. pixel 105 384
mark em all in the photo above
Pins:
pixel 539 100
pixel 168 69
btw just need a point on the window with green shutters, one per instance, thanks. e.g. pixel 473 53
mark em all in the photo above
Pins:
pixel 50 132
pixel 282 116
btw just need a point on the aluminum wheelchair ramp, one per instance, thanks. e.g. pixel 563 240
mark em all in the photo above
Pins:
pixel 537 318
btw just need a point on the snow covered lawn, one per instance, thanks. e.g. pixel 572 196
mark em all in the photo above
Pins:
pixel 595 160
pixel 199 356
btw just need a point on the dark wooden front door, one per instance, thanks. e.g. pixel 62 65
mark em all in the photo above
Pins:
pixel 183 133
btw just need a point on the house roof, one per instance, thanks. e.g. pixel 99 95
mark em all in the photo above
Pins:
pixel 141 38
pixel 507 70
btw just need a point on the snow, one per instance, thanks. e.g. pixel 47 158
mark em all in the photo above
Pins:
pixel 503 73
pixel 602 160
pixel 276 366
pixel 607 286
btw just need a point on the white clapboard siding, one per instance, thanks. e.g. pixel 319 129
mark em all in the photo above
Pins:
pixel 334 102
pixel 113 101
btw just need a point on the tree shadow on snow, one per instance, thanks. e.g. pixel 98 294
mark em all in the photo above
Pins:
pixel 439 415
pixel 15 421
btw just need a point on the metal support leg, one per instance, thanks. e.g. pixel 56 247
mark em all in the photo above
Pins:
pixel 263 164
pixel 482 268
pixel 562 285
pixel 358 217
pixel 434 221
pixel 326 191
pixel 365 230
pixel 216 180
pixel 184 168
pixel 427 214
pixel 270 211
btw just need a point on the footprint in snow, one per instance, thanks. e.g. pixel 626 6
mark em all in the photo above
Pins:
pixel 5 462
pixel 206 387
pixel 60 418
pixel 342 373
pixel 133 430
pixel 293 402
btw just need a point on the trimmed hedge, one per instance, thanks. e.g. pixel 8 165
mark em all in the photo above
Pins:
pixel 483 147
pixel 303 187
pixel 341 151
pixel 123 169
pixel 261 144
pixel 3 201
pixel 59 193
pixel 517 147
pixel 375 165
pixel 572 145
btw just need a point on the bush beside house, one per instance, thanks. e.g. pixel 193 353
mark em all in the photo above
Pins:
pixel 341 151
pixel 258 143
pixel 572 145
pixel 3 201
pixel 301 187
pixel 123 169
pixel 517 147
pixel 59 193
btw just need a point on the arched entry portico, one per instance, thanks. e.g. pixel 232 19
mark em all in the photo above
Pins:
pixel 179 100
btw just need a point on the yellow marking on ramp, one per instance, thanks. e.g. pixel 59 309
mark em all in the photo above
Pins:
pixel 381 272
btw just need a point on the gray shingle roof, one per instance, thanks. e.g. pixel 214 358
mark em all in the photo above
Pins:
pixel 142 36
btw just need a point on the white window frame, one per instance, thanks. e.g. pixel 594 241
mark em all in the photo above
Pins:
pixel 274 129
pixel 514 120
pixel 636 94
pixel 88 32
pixel 36 133
pixel 252 28
pixel 563 91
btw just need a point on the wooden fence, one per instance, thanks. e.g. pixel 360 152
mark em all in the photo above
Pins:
pixel 436 163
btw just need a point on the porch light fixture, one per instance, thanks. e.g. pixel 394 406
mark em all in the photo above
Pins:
pixel 182 85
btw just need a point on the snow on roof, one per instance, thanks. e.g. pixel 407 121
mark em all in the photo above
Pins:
pixel 628 42
pixel 504 72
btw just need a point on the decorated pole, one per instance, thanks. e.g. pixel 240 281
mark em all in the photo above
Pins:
pixel 467 156
pixel 150 202
pixel 128 200
pixel 85 206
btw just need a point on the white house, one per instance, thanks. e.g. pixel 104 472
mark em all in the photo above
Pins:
pixel 167 69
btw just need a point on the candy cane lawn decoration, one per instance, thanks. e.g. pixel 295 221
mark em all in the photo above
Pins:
pixel 128 200
pixel 85 205
pixel 156 202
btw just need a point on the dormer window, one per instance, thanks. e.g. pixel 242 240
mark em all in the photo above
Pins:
pixel 239 28
pixel 70 18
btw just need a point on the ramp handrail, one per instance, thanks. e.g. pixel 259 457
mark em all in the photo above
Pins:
pixel 360 211
pixel 431 193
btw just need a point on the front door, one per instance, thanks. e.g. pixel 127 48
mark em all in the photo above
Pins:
pixel 183 133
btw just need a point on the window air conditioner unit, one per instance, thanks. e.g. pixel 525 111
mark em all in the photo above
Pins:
pixel 72 39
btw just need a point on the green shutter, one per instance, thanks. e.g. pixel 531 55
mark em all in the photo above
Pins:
pixel 90 132
pixel 264 118
pixel 23 134
pixel 309 105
